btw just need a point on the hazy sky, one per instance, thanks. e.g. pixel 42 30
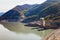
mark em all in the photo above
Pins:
pixel 5 5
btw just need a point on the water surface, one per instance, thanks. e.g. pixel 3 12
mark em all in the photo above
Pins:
pixel 17 31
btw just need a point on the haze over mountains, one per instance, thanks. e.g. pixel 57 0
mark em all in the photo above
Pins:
pixel 24 7
pixel 30 13
pixel 42 11
pixel 16 13
pixel 1 13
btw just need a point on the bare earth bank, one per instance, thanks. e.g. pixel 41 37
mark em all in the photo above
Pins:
pixel 55 35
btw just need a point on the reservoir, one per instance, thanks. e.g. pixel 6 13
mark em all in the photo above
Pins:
pixel 17 31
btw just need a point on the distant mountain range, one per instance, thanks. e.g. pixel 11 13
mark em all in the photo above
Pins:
pixel 30 13
pixel 16 13
pixel 43 10
pixel 24 7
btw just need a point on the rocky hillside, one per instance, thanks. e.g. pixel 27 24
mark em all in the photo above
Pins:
pixel 43 10
pixel 16 13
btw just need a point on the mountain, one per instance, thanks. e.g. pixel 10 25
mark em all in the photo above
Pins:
pixel 24 7
pixel 1 13
pixel 29 13
pixel 45 9
pixel 16 13
pixel 42 8
pixel 11 15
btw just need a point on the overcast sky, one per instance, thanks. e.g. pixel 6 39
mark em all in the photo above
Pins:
pixel 6 5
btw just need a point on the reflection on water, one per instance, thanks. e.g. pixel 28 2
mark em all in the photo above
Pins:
pixel 21 32
pixel 5 34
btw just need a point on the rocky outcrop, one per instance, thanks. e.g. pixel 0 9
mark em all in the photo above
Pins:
pixel 54 35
